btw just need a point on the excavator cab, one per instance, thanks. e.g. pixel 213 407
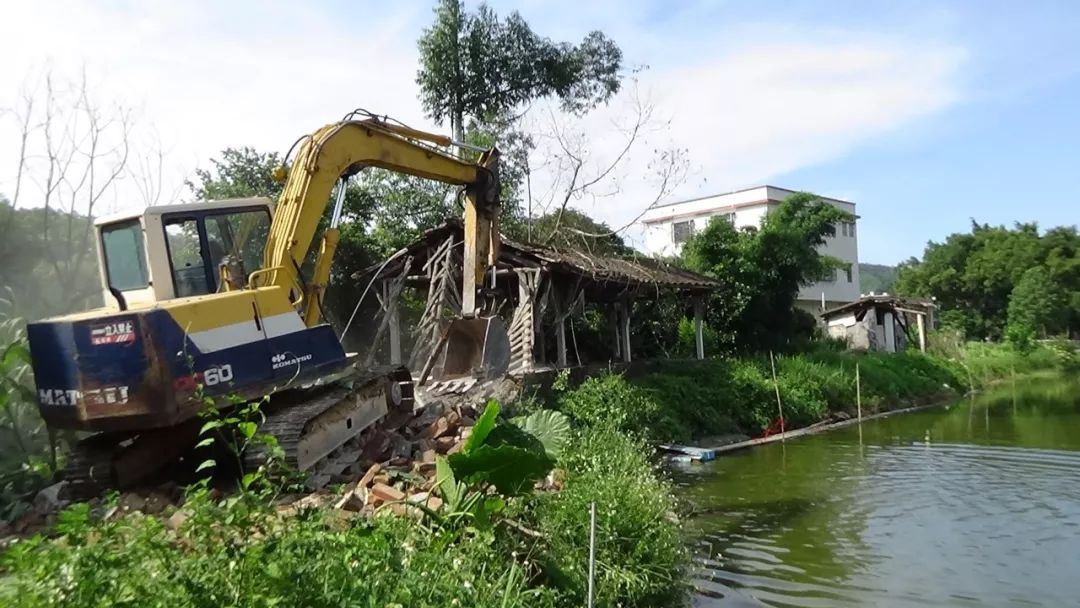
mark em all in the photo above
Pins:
pixel 174 251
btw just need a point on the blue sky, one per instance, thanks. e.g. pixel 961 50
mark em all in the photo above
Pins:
pixel 925 114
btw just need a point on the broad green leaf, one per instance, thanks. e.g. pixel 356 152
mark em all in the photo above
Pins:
pixel 205 442
pixel 247 428
pixel 210 425
pixel 16 352
pixel 446 482
pixel 512 470
pixel 483 426
pixel 551 428
pixel 206 464
pixel 248 479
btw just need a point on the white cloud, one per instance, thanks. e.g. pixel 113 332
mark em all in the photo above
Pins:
pixel 749 114
pixel 209 75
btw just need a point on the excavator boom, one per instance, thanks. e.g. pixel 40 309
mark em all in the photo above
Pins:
pixel 342 149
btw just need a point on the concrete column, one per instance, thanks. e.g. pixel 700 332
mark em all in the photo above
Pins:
pixel 919 318
pixel 890 333
pixel 699 322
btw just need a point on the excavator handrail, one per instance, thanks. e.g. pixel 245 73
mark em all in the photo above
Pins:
pixel 251 282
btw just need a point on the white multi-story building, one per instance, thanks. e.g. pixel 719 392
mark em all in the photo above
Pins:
pixel 668 226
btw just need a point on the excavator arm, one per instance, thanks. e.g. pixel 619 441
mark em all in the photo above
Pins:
pixel 338 151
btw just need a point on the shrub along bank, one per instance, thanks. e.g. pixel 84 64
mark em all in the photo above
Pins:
pixel 493 543
pixel 680 401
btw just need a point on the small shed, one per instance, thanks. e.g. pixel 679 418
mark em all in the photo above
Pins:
pixel 881 323
pixel 536 289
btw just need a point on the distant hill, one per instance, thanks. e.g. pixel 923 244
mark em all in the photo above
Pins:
pixel 877 277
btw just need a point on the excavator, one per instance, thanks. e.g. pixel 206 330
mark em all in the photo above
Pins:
pixel 222 302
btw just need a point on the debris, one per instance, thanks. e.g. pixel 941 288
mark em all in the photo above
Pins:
pixel 48 499
pixel 177 519
pixel 131 502
pixel 369 476
pixel 383 493
pixel 155 503
pixel 353 500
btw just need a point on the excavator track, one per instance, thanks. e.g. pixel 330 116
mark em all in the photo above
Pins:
pixel 313 426
pixel 318 435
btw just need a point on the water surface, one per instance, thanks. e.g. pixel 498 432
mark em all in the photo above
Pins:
pixel 976 504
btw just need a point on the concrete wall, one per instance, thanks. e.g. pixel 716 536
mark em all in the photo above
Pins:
pixel 868 334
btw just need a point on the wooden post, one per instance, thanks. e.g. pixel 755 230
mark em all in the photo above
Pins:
pixel 624 326
pixel 776 385
pixel 615 316
pixel 560 339
pixel 919 318
pixel 858 391
pixel 699 333
pixel 391 303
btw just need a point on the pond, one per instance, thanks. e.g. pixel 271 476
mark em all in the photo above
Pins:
pixel 974 504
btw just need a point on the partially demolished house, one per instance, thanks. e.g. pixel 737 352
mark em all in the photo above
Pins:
pixel 537 289
pixel 881 323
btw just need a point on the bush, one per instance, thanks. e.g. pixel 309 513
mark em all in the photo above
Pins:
pixel 610 402
pixel 240 553
pixel 640 549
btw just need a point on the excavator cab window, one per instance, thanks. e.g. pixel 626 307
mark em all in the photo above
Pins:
pixel 125 255
pixel 240 235
pixel 199 242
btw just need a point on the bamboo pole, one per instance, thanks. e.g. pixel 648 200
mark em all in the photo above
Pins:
pixel 776 386
pixel 858 391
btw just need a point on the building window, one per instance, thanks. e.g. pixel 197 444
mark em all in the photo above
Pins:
pixel 849 274
pixel 851 228
pixel 682 231
pixel 729 218
pixel 843 229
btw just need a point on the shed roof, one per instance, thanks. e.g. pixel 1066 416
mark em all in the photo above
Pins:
pixel 635 271
pixel 872 301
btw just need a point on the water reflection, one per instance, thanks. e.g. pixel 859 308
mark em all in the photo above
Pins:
pixel 975 504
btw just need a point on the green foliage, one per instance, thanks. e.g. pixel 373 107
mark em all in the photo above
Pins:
pixel 573 230
pixel 478 66
pixel 877 278
pixel 762 271
pixel 974 275
pixel 1037 307
pixel 640 550
pixel 610 402
pixel 49 265
pixel 25 456
pixel 240 553
pixel 238 173
pixel 508 458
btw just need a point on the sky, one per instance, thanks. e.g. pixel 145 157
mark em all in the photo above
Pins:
pixel 927 115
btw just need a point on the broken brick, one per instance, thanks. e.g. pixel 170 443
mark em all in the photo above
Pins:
pixel 386 493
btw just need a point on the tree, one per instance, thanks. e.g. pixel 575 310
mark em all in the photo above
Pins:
pixel 479 66
pixel 239 173
pixel 72 153
pixel 1037 307
pixel 763 269
pixel 973 275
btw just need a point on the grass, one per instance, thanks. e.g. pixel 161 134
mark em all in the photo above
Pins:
pixel 240 552
pixel 683 400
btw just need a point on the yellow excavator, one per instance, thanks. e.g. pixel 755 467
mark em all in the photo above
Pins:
pixel 209 299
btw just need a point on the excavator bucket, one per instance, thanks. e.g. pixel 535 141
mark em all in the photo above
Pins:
pixel 478 347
